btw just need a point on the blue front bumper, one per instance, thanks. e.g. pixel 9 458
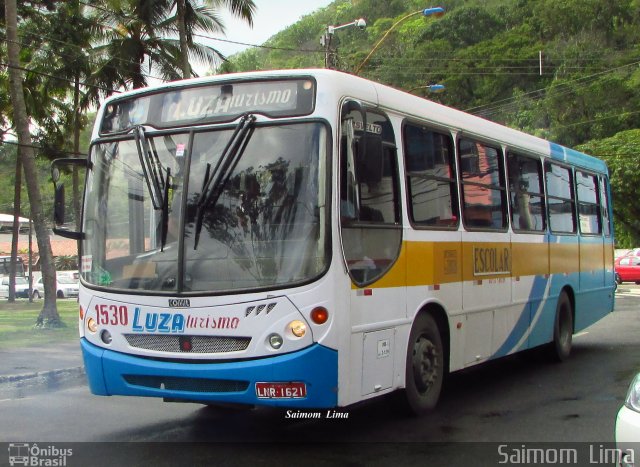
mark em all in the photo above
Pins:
pixel 115 373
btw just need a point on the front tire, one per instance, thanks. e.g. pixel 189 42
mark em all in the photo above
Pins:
pixel 424 365
pixel 560 348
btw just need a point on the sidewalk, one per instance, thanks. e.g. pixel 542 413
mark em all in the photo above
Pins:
pixel 29 369
pixel 627 290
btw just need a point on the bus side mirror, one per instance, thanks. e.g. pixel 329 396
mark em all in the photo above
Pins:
pixel 72 170
pixel 58 205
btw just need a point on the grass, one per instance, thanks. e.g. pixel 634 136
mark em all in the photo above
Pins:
pixel 17 324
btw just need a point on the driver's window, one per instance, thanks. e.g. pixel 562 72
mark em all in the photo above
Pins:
pixel 369 195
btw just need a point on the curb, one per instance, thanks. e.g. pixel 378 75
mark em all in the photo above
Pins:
pixel 17 386
pixel 74 371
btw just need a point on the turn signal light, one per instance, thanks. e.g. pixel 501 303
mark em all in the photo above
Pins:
pixel 92 325
pixel 297 328
pixel 319 315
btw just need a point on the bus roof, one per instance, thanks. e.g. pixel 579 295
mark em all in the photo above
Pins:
pixel 340 84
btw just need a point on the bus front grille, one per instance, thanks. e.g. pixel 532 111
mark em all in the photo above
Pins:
pixel 197 344
pixel 172 383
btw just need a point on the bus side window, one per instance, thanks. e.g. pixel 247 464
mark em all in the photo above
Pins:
pixel 588 203
pixel 604 207
pixel 526 193
pixel 483 190
pixel 560 198
pixel 431 178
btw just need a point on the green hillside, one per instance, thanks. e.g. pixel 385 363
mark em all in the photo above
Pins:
pixel 566 71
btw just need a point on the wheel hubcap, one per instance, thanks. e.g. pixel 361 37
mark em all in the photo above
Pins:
pixel 425 364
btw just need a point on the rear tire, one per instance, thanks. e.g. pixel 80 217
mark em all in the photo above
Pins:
pixel 35 294
pixel 560 348
pixel 424 365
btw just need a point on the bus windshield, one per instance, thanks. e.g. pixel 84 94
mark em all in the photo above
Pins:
pixel 147 227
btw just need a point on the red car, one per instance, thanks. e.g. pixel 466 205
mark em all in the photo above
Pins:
pixel 628 269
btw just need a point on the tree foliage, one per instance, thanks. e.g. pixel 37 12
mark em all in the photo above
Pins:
pixel 565 71
pixel 622 154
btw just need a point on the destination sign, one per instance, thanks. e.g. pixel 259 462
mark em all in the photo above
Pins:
pixel 210 103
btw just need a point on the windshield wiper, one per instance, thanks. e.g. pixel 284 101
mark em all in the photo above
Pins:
pixel 165 211
pixel 150 167
pixel 157 184
pixel 215 180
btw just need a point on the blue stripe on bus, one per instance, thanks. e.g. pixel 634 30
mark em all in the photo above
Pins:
pixel 524 321
pixel 316 366
pixel 563 154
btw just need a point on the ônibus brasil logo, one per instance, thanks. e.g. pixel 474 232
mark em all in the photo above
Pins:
pixel 34 455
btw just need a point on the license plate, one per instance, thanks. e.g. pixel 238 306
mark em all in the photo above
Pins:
pixel 292 390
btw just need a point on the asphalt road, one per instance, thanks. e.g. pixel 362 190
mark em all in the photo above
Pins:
pixel 519 399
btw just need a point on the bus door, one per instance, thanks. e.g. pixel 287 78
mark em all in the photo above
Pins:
pixel 607 240
pixel 529 248
pixel 371 234
pixel 486 251
pixel 592 272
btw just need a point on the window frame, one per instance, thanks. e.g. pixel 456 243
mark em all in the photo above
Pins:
pixel 541 194
pixel 502 188
pixel 548 164
pixel 605 206
pixel 347 223
pixel 597 204
pixel 452 181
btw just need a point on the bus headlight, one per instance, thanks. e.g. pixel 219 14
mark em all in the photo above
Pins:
pixel 298 328
pixel 275 341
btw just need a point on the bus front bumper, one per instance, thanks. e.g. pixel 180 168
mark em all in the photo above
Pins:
pixel 115 373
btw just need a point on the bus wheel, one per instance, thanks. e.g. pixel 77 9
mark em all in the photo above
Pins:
pixel 425 365
pixel 560 348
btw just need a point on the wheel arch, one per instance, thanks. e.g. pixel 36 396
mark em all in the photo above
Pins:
pixel 439 314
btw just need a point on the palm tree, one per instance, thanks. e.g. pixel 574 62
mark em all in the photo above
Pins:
pixel 186 13
pixel 136 38
pixel 49 313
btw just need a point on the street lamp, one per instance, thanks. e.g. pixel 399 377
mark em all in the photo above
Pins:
pixel 327 37
pixel 435 88
pixel 435 11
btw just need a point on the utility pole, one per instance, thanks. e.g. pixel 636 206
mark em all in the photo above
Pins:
pixel 331 53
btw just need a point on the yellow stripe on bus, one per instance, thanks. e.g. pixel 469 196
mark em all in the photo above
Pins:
pixel 430 263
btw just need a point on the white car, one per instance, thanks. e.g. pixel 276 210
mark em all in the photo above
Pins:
pixel 628 426
pixel 22 287
pixel 65 287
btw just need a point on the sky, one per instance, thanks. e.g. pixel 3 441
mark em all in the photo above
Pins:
pixel 271 17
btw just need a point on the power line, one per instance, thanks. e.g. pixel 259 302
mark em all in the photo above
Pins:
pixel 41 148
pixel 28 70
pixel 566 83
pixel 624 114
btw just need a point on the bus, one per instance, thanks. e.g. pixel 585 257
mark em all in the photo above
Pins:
pixel 313 239
pixel 5 266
